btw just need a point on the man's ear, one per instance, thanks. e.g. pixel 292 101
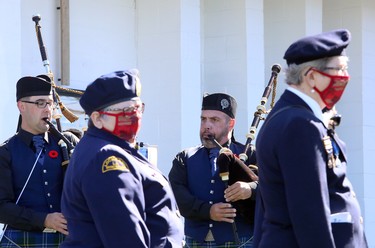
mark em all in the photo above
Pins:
pixel 96 120
pixel 21 106
pixel 232 122
pixel 311 78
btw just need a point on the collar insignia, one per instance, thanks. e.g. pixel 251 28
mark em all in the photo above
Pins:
pixel 114 163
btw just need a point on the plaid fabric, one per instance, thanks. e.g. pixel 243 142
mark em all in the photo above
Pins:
pixel 16 238
pixel 245 242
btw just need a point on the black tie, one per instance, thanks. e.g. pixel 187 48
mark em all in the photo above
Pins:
pixel 212 156
pixel 39 145
pixel 336 149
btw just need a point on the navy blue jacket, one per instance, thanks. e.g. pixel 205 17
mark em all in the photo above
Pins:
pixel 113 197
pixel 196 190
pixel 43 192
pixel 299 194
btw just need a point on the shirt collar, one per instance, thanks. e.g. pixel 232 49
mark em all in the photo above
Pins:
pixel 309 101
pixel 28 137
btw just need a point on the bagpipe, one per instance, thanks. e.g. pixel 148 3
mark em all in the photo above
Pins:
pixel 234 168
pixel 66 145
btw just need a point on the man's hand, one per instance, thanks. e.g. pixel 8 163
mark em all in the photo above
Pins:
pixel 56 221
pixel 237 191
pixel 222 212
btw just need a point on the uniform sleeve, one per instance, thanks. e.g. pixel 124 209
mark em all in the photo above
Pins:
pixel 303 168
pixel 71 137
pixel 190 206
pixel 114 194
pixel 254 189
pixel 243 176
pixel 15 216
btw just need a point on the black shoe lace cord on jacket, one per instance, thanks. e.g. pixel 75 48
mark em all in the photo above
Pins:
pixel 38 141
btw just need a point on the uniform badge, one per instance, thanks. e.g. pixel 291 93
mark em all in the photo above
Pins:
pixel 329 149
pixel 224 104
pixel 114 163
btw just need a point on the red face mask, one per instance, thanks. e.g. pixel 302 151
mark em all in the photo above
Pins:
pixel 127 125
pixel 332 94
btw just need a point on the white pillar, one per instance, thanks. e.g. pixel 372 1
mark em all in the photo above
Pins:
pixel 10 65
pixel 368 113
pixel 230 48
pixel 258 71
pixel 169 61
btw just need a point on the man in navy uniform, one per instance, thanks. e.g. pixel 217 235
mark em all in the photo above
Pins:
pixel 113 197
pixel 31 179
pixel 305 198
pixel 208 206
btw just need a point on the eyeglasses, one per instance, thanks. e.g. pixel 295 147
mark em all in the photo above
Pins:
pixel 42 104
pixel 338 69
pixel 341 80
pixel 128 110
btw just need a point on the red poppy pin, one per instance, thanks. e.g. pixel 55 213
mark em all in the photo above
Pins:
pixel 53 154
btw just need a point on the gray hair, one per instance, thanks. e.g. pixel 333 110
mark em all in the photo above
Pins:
pixel 294 73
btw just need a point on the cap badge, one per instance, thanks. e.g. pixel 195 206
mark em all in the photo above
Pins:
pixel 114 163
pixel 224 104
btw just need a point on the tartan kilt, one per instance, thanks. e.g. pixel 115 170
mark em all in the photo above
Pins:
pixel 245 242
pixel 17 238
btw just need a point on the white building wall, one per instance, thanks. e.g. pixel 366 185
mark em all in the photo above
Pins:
pixel 191 82
pixel 225 60
pixel 258 72
pixel 368 106
pixel 31 60
pixel 169 60
pixel 10 65
pixel 102 39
